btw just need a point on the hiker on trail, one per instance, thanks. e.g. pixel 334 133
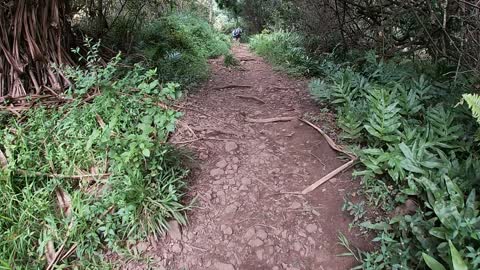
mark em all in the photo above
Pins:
pixel 237 34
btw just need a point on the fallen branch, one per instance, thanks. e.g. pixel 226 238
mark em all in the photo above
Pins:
pixel 232 86
pixel 270 120
pixel 251 97
pixel 329 140
pixel 211 130
pixel 204 139
pixel 185 125
pixel 336 147
pixel 329 176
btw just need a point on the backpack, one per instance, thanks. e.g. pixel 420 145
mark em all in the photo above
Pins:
pixel 236 32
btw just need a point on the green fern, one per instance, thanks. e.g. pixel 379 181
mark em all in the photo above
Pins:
pixel 351 120
pixel 423 87
pixel 409 100
pixel 384 120
pixel 443 129
pixel 473 101
pixel 320 90
pixel 344 90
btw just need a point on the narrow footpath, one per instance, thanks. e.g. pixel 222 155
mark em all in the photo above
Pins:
pixel 246 216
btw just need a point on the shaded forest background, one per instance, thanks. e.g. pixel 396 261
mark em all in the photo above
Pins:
pixel 36 34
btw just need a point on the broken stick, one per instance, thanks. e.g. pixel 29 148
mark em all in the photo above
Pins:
pixel 328 176
pixel 251 97
pixel 329 140
pixel 232 86
pixel 336 147
pixel 270 120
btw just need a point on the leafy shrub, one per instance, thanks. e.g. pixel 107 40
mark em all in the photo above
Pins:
pixel 92 174
pixel 417 145
pixel 285 50
pixel 179 46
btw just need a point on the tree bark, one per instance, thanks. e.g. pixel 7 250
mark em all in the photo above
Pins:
pixel 32 42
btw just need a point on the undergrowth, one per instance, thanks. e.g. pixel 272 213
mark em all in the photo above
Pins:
pixel 286 51
pixel 179 45
pixel 93 174
pixel 418 149
pixel 417 145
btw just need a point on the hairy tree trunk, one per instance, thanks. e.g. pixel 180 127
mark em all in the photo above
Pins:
pixel 32 44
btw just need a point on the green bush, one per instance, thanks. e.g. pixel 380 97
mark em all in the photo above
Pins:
pixel 417 146
pixel 179 45
pixel 107 159
pixel 284 50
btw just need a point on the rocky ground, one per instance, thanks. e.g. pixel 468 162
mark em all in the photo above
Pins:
pixel 248 213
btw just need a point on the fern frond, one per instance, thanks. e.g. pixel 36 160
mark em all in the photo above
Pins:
pixel 473 101
pixel 443 127
pixel 344 88
pixel 384 119
pixel 320 90
pixel 351 120
pixel 409 100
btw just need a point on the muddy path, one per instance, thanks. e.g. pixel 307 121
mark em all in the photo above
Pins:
pixel 244 217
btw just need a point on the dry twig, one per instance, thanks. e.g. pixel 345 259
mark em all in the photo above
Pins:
pixel 251 97
pixel 338 170
pixel 270 120
pixel 232 86
pixel 329 176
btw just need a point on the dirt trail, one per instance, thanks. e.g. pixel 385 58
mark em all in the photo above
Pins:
pixel 243 219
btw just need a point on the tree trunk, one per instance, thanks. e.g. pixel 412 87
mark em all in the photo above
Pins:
pixel 102 23
pixel 32 42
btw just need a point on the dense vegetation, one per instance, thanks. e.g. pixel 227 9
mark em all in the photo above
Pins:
pixel 179 46
pixel 418 148
pixel 90 174
pixel 88 168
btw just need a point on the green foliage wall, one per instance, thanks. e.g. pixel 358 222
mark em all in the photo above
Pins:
pixel 285 50
pixel 417 145
pixel 179 45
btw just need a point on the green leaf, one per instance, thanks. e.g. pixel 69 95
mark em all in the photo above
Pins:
pixel 146 152
pixel 438 232
pixel 470 207
pixel 456 194
pixel 432 263
pixel 457 261
pixel 406 151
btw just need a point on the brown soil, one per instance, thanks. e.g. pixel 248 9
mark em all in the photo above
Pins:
pixel 244 218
